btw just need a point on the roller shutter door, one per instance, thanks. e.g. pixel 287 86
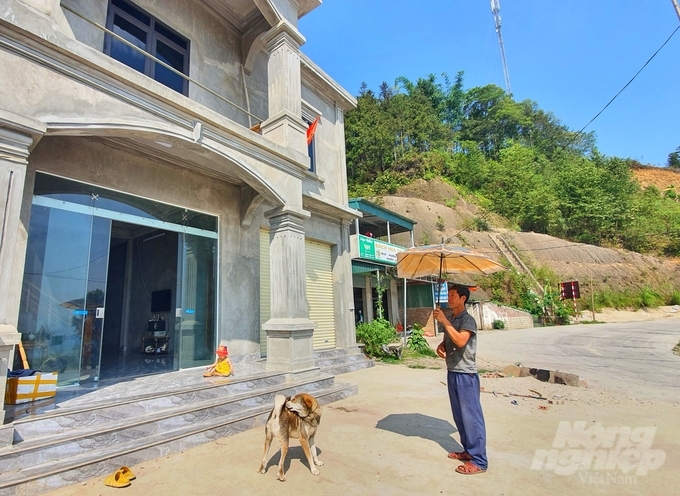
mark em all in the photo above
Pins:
pixel 321 307
pixel 265 295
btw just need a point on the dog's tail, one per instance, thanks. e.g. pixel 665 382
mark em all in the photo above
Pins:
pixel 279 402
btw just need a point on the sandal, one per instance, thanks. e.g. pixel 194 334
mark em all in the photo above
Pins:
pixel 469 468
pixel 462 456
pixel 127 473
pixel 117 479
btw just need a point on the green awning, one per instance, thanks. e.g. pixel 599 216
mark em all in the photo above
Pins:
pixel 359 267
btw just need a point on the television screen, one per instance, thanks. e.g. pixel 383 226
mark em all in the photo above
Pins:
pixel 161 301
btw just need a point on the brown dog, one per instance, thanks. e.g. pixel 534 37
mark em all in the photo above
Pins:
pixel 297 418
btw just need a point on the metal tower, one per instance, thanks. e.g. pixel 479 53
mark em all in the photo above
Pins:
pixel 496 10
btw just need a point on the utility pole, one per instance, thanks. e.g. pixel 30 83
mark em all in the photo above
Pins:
pixel 677 7
pixel 496 11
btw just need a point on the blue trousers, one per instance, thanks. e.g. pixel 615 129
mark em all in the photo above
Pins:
pixel 464 392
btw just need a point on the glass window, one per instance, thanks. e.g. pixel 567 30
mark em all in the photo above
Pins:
pixel 94 196
pixel 133 11
pixel 145 32
pixel 124 53
pixel 171 35
pixel 175 60
pixel 311 152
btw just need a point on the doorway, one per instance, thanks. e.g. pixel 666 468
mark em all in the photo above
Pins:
pixel 142 265
pixel 113 289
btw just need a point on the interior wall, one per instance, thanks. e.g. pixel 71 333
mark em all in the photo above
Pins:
pixel 153 268
pixel 115 285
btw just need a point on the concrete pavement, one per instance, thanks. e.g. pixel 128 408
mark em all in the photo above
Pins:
pixel 393 437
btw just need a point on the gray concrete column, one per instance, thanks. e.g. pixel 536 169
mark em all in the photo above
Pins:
pixel 393 295
pixel 285 125
pixel 369 316
pixel 345 335
pixel 289 330
pixel 17 135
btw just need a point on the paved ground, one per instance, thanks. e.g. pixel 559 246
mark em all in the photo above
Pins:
pixel 392 438
pixel 630 358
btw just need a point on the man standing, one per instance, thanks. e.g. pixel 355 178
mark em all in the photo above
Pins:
pixel 459 348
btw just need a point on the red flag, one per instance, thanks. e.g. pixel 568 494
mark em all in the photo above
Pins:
pixel 311 130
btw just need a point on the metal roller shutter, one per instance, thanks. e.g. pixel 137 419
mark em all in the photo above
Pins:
pixel 319 276
pixel 265 295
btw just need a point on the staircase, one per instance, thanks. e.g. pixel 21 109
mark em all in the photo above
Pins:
pixel 342 360
pixel 514 259
pixel 136 420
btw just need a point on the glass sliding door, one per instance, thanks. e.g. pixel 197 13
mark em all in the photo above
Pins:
pixel 196 309
pixel 95 297
pixel 62 290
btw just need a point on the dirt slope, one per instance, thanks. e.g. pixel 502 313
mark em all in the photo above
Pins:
pixel 441 213
pixel 656 176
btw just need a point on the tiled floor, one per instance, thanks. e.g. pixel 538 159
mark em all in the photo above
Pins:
pixel 125 377
pixel 117 367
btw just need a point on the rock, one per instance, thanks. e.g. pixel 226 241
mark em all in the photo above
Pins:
pixel 524 371
pixel 511 371
pixel 554 377
pixel 565 378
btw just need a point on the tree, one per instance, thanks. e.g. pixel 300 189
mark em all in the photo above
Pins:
pixel 674 159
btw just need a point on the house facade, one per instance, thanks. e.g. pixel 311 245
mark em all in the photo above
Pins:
pixel 160 193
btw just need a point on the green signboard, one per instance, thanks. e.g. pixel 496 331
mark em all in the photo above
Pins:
pixel 380 251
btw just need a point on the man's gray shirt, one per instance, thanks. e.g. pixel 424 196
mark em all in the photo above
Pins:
pixel 462 359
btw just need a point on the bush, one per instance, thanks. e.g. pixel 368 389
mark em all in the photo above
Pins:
pixel 650 298
pixel 417 342
pixel 374 335
pixel 674 298
pixel 498 324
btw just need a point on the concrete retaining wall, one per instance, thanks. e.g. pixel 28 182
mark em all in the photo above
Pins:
pixel 484 313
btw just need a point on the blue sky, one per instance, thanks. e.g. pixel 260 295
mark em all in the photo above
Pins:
pixel 571 57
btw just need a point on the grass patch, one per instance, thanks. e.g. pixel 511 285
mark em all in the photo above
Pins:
pixel 416 366
pixel 590 322
pixel 627 299
pixel 676 349
pixel 390 359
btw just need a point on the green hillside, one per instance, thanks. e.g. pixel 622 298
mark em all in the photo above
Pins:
pixel 510 158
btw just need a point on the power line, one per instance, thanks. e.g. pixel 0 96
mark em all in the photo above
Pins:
pixel 626 86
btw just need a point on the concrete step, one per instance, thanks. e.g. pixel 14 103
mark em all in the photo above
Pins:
pixel 54 460
pixel 103 433
pixel 342 360
pixel 346 368
pixel 93 413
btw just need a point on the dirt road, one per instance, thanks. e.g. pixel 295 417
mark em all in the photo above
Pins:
pixel 392 439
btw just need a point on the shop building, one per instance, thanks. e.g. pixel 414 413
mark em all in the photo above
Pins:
pixel 159 192
pixel 374 259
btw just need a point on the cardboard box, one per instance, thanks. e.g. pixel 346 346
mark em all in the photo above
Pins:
pixel 30 388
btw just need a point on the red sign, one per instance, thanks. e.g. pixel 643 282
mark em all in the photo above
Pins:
pixel 570 290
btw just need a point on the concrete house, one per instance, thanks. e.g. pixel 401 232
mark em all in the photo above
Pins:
pixel 158 194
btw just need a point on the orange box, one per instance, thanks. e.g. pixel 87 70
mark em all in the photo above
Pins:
pixel 30 388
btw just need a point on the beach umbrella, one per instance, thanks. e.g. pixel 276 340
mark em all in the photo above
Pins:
pixel 436 260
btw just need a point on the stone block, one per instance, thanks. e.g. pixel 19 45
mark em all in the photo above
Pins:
pixel 552 376
pixel 565 378
pixel 512 371
pixel 524 371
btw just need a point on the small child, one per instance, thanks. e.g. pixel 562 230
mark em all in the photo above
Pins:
pixel 222 365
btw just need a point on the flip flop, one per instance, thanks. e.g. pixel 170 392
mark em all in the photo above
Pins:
pixel 462 456
pixel 117 479
pixel 469 468
pixel 127 472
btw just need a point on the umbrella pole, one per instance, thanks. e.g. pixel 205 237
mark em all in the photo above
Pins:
pixel 441 264
pixel 405 312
